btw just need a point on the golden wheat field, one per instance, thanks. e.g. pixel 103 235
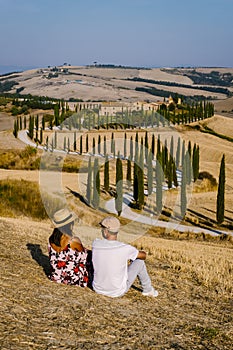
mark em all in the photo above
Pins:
pixel 193 309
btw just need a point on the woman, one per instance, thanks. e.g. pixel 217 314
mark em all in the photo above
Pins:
pixel 70 261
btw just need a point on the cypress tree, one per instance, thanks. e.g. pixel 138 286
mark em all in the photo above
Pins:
pixel 93 145
pixel 75 142
pixel 141 179
pixel 56 114
pixel 188 164
pixel 197 162
pixel 128 174
pixel 135 182
pixel 221 193
pixel 37 122
pixel 105 145
pixel 17 121
pixel 125 146
pixel 96 185
pixel 112 143
pixel 153 146
pixel 87 148
pixel 194 161
pixel 43 122
pixel 183 198
pixel 190 149
pixel 106 173
pixel 183 154
pixel 55 139
pixel 15 130
pixel 81 144
pixel 165 156
pixel 119 186
pixel 41 135
pixel 31 128
pixel 174 176
pixel 50 124
pixel 89 182
pixel 98 119
pixel 158 147
pixel 64 144
pixel 172 147
pixel 131 148
pixel 157 119
pixel 170 172
pixel 149 174
pixel 99 144
pixel 146 146
pixel 178 153
pixel 114 149
pixel 159 184
pixel 25 122
pixel 136 148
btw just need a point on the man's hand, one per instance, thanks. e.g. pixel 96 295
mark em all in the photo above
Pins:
pixel 141 255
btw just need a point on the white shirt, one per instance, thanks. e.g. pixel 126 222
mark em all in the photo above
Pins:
pixel 110 262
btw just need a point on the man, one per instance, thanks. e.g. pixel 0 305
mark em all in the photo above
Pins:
pixel 113 276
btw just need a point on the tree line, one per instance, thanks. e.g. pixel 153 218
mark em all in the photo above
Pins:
pixel 90 119
pixel 149 167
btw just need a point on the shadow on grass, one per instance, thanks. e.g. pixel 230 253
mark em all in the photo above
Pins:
pixel 82 199
pixel 39 257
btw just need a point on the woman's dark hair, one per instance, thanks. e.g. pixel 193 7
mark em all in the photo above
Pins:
pixel 55 237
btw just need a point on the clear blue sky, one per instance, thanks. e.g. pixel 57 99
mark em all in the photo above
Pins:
pixel 150 33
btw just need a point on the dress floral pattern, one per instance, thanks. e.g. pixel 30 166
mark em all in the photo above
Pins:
pixel 68 266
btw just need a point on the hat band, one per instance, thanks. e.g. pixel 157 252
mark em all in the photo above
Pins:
pixel 64 220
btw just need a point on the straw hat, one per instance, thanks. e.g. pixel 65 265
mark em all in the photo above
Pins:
pixel 63 217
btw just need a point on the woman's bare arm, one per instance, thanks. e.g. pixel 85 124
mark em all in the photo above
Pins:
pixel 76 244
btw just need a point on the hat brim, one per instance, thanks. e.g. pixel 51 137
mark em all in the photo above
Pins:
pixel 114 231
pixel 72 217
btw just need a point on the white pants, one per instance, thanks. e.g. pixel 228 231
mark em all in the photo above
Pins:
pixel 138 269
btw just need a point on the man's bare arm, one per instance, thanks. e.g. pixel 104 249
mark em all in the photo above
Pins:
pixel 141 255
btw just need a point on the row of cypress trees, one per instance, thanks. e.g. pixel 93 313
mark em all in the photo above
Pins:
pixel 93 184
pixel 90 118
pixel 126 119
pixel 163 170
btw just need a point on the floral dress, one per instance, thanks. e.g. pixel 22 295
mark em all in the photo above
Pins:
pixel 68 266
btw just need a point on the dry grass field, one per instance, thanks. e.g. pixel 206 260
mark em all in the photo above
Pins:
pixel 192 272
pixel 192 311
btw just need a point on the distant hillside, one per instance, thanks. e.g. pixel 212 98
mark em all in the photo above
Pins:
pixel 116 83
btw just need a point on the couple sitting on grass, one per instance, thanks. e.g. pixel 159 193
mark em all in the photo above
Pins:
pixel 109 269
